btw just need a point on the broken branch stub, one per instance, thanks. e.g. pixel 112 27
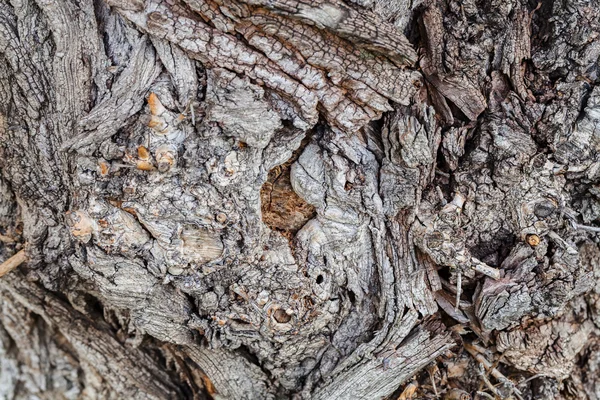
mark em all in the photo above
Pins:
pixel 13 262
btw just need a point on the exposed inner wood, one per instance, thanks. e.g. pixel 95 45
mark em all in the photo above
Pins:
pixel 282 209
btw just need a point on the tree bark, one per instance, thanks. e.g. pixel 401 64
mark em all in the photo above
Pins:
pixel 326 199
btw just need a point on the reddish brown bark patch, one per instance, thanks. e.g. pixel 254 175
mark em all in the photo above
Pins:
pixel 282 209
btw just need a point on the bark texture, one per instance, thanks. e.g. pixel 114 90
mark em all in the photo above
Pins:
pixel 311 199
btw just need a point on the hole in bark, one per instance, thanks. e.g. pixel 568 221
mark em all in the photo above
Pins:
pixel 319 279
pixel 281 316
pixel 282 209
pixel 352 297
pixel 241 322
pixel 495 250
pixel 245 352
pixel 93 306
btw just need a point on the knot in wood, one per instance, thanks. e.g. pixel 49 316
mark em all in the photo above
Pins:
pixel 165 158
pixel 81 225
pixel 435 240
pixel 533 240
pixel 282 316
pixel 158 18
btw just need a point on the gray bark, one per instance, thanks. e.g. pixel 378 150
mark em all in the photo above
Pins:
pixel 259 199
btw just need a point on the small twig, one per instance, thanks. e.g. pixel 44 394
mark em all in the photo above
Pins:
pixel 586 227
pixel 479 348
pixel 484 378
pixel 441 195
pixel 448 286
pixel 485 269
pixel 531 378
pixel 458 289
pixel 193 114
pixel 519 397
pixel 442 173
pixel 482 360
pixel 12 262
pixel 562 243
pixel 479 357
pixel 484 394
pixel 432 370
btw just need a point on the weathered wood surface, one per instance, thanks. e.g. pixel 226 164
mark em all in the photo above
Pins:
pixel 253 199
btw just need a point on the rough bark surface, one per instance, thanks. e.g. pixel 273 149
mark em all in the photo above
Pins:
pixel 316 199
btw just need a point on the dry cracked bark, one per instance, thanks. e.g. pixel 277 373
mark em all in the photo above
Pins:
pixel 322 199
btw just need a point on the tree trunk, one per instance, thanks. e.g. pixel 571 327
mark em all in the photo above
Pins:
pixel 326 199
